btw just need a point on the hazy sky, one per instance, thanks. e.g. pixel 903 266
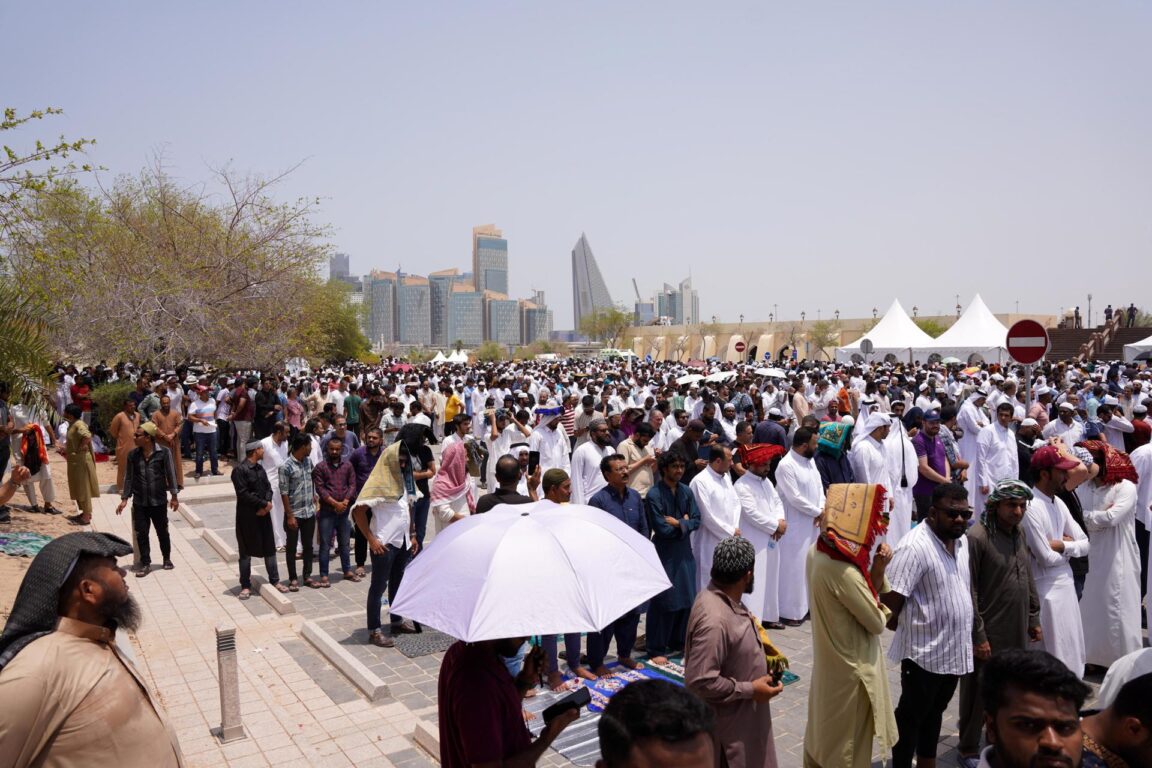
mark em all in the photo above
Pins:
pixel 816 155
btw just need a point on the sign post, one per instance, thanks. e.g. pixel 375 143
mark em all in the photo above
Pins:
pixel 1027 343
pixel 740 346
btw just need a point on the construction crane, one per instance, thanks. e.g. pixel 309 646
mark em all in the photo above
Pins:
pixel 637 289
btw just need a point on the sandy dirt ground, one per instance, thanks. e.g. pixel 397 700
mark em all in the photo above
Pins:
pixel 12 568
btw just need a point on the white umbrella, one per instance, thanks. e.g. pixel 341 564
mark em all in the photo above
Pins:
pixel 689 378
pixel 530 569
pixel 721 376
pixel 775 373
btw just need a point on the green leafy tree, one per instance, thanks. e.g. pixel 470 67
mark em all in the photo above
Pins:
pixel 932 326
pixel 490 352
pixel 606 324
pixel 823 334
pixel 332 324
pixel 161 273
pixel 26 172
pixel 25 353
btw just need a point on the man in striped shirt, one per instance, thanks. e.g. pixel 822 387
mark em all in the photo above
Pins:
pixel 931 602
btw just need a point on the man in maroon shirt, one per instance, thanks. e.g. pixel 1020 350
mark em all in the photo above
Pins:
pixel 335 483
pixel 480 707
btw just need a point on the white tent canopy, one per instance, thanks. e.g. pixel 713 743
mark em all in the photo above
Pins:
pixel 439 358
pixel 1139 350
pixel 458 357
pixel 895 334
pixel 977 331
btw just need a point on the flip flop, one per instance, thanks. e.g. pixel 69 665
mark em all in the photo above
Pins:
pixel 281 588
pixel 244 594
pixel 293 587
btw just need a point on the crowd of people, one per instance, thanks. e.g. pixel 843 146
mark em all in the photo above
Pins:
pixel 976 512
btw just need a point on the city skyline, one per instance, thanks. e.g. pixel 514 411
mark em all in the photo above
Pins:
pixel 842 156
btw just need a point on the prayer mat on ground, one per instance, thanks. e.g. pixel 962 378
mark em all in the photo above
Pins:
pixel 23 544
pixel 674 670
pixel 423 643
pixel 603 688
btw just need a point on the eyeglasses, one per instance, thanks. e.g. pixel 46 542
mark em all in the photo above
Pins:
pixel 964 512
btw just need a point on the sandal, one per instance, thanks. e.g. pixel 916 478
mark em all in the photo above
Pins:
pixel 324 582
pixel 312 583
pixel 293 586
pixel 360 571
pixel 245 594
pixel 350 576
pixel 280 587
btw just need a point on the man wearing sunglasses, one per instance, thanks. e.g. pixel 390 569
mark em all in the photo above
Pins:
pixel 930 597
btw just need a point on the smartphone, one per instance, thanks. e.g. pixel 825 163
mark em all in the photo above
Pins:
pixel 533 462
pixel 575 700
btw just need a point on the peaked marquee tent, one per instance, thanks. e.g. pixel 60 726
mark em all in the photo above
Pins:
pixel 895 334
pixel 1138 350
pixel 977 331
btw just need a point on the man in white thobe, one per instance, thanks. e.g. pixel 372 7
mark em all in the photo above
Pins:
pixel 1053 538
pixel 1110 606
pixel 802 494
pixel 971 419
pixel 1113 421
pixel 587 478
pixel 904 470
pixel 762 522
pixel 1142 461
pixel 719 512
pixel 1067 427
pixel 550 439
pixel 275 454
pixel 996 455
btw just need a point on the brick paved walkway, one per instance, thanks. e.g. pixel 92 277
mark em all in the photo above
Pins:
pixel 298 708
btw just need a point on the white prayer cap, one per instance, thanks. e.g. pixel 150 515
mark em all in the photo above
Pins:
pixel 1109 400
pixel 1041 391
pixel 847 420
pixel 1127 668
pixel 774 412
pixel 1066 406
pixel 1029 422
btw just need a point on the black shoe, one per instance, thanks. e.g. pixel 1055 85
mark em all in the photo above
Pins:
pixel 792 622
pixel 5 516
pixel 168 565
pixel 217 474
pixel 143 571
pixel 773 625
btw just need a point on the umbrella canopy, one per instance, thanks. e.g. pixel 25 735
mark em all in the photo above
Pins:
pixel 951 361
pixel 530 569
pixel 775 373
pixel 690 378
pixel 721 376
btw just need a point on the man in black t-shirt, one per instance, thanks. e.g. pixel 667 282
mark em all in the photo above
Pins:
pixel 507 478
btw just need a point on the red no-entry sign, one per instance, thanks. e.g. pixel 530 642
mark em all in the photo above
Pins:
pixel 741 346
pixel 1027 342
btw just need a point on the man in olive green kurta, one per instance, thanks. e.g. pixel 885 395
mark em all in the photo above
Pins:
pixel 82 483
pixel 849 705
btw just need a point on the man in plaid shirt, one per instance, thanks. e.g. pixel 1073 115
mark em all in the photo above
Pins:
pixel 299 496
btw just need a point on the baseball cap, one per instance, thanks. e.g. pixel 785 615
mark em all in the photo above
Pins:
pixel 1049 457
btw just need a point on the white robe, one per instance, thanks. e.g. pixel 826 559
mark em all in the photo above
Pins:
pixel 1115 429
pixel 719 518
pixel 760 514
pixel 274 456
pixel 802 494
pixel 586 476
pixel 1048 519
pixel 553 447
pixel 904 469
pixel 996 459
pixel 1110 607
pixel 971 420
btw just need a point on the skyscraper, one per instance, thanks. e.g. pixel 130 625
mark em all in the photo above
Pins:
pixel 338 266
pixel 489 259
pixel 440 284
pixel 589 293
pixel 381 297
pixel 503 319
pixel 465 316
pixel 413 311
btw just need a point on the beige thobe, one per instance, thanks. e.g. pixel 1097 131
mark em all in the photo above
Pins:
pixel 170 424
pixel 849 704
pixel 722 656
pixel 82 483
pixel 123 431
pixel 81 705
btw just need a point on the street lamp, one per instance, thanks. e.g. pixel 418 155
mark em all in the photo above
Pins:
pixel 817 314
pixel 1089 310
pixel 775 311
pixel 802 316
pixel 772 316
pixel 915 310
pixel 741 318
pixel 873 313
pixel 837 315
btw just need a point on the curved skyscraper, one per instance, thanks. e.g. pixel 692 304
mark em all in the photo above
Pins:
pixel 589 293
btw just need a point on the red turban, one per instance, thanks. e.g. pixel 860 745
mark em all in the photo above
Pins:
pixel 761 453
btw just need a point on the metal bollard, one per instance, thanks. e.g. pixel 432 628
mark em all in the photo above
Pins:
pixel 231 728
